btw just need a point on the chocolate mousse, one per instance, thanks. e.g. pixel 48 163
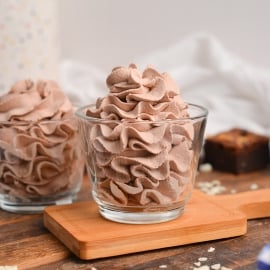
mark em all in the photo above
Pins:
pixel 38 138
pixel 141 138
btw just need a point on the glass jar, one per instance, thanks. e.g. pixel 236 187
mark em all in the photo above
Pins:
pixel 142 171
pixel 41 164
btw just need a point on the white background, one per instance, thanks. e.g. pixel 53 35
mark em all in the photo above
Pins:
pixel 107 33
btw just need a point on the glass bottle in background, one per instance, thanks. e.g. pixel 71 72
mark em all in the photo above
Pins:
pixel 29 41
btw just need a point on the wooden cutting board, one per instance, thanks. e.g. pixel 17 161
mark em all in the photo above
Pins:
pixel 89 236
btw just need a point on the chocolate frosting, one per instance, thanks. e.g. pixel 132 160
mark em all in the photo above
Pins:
pixel 142 157
pixel 38 139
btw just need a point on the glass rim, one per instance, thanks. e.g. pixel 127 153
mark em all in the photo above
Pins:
pixel 201 113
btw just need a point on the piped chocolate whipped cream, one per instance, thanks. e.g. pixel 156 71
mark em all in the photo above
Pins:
pixel 143 154
pixel 37 139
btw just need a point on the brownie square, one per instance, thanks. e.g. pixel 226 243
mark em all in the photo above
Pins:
pixel 237 151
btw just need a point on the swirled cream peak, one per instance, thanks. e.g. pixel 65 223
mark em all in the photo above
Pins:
pixel 147 95
pixel 30 101
pixel 142 141
pixel 38 141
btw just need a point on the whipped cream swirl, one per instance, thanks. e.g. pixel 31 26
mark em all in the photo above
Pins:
pixel 142 144
pixel 38 139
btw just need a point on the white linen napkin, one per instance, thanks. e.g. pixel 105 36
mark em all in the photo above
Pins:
pixel 236 93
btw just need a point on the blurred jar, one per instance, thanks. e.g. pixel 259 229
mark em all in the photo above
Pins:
pixel 41 162
pixel 29 41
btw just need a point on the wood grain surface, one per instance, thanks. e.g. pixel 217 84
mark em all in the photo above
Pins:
pixel 25 242
pixel 89 236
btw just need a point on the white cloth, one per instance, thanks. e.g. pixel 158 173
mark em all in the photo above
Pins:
pixel 235 93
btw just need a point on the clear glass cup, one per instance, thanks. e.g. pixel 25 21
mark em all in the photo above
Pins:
pixel 142 171
pixel 41 164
